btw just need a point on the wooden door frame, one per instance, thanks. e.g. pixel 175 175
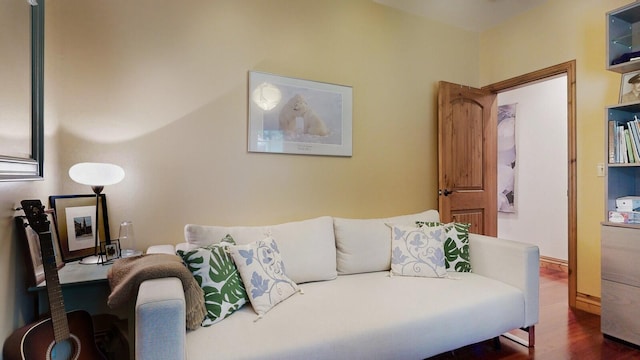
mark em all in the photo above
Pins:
pixel 568 68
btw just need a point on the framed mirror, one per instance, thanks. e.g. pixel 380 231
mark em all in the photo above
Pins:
pixel 21 89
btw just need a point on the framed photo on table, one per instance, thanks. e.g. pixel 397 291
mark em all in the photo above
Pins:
pixel 74 218
pixel 31 247
pixel 111 250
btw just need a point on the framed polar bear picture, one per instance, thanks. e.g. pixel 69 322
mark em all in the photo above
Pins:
pixel 295 116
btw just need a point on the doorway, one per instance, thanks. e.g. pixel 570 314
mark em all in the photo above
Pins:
pixel 565 69
pixel 532 170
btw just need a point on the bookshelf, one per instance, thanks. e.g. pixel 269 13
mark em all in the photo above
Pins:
pixel 623 130
pixel 623 39
pixel 620 242
pixel 622 121
pixel 622 154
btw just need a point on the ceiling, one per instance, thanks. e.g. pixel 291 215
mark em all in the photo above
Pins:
pixel 473 15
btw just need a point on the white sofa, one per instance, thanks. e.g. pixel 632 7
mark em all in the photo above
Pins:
pixel 351 307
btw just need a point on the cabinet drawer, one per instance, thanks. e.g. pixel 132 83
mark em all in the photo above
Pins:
pixel 620 254
pixel 620 312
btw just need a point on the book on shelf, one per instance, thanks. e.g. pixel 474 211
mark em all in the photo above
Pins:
pixel 624 141
pixel 633 132
pixel 624 155
pixel 629 145
pixel 612 150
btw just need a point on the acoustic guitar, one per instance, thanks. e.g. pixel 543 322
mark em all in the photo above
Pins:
pixel 64 335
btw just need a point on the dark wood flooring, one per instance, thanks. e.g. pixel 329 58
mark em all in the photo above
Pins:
pixel 562 333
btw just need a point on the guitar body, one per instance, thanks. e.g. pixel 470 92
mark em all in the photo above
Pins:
pixel 37 341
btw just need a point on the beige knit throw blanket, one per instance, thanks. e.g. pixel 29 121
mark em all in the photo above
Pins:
pixel 128 273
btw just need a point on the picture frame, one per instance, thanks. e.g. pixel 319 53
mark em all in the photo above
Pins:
pixel 28 162
pixel 295 116
pixel 111 250
pixel 30 241
pixel 79 212
pixel 630 87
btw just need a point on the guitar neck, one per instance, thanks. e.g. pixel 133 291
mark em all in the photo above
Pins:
pixel 54 291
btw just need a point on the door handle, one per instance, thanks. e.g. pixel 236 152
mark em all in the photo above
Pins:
pixel 445 192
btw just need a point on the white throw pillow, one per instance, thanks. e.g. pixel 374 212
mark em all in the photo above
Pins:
pixel 263 274
pixel 309 246
pixel 418 251
pixel 363 245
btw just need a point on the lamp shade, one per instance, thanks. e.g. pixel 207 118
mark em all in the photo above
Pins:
pixel 96 174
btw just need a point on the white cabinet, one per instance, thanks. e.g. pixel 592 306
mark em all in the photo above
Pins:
pixel 621 283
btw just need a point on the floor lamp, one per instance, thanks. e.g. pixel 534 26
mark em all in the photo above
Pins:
pixel 96 175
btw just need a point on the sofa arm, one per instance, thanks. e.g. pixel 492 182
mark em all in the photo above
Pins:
pixel 160 330
pixel 512 262
pixel 161 249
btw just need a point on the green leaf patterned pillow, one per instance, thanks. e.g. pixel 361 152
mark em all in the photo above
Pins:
pixel 456 246
pixel 217 275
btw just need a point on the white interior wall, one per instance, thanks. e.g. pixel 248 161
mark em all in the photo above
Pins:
pixel 541 168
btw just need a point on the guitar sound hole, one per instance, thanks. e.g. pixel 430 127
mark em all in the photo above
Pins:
pixel 68 349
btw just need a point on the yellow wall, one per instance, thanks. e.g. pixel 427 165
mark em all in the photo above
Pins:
pixel 160 87
pixel 558 31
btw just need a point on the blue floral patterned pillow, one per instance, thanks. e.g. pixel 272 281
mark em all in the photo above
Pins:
pixel 417 251
pixel 263 274
pixel 456 245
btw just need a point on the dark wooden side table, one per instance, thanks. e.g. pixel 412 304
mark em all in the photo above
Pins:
pixel 85 287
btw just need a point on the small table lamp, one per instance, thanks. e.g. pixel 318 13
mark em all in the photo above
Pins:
pixel 96 175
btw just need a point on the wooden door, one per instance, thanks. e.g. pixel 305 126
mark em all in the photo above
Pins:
pixel 467 157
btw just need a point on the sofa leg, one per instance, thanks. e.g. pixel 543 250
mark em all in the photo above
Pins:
pixel 496 343
pixel 532 335
pixel 529 342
